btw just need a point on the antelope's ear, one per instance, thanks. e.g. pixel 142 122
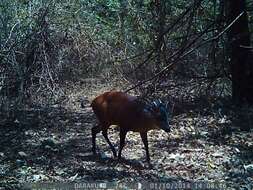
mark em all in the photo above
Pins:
pixel 167 105
pixel 157 103
pixel 154 103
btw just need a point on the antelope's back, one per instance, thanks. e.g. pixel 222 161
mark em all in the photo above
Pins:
pixel 119 108
pixel 110 106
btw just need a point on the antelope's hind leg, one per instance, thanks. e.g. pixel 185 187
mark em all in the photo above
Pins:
pixel 122 142
pixel 105 134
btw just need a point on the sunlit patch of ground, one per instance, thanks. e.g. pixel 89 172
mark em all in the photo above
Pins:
pixel 54 144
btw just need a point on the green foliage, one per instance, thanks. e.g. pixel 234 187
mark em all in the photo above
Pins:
pixel 123 24
pixel 64 32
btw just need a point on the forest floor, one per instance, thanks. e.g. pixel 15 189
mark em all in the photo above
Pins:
pixel 53 144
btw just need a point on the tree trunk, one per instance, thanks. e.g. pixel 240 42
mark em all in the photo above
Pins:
pixel 159 15
pixel 241 64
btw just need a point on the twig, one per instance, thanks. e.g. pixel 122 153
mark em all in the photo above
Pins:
pixel 184 55
pixel 9 37
pixel 216 37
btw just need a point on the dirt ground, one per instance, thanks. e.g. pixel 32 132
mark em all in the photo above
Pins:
pixel 53 144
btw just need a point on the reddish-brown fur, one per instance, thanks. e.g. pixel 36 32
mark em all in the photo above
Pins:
pixel 118 108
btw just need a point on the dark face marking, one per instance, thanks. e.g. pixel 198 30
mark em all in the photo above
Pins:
pixel 162 115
